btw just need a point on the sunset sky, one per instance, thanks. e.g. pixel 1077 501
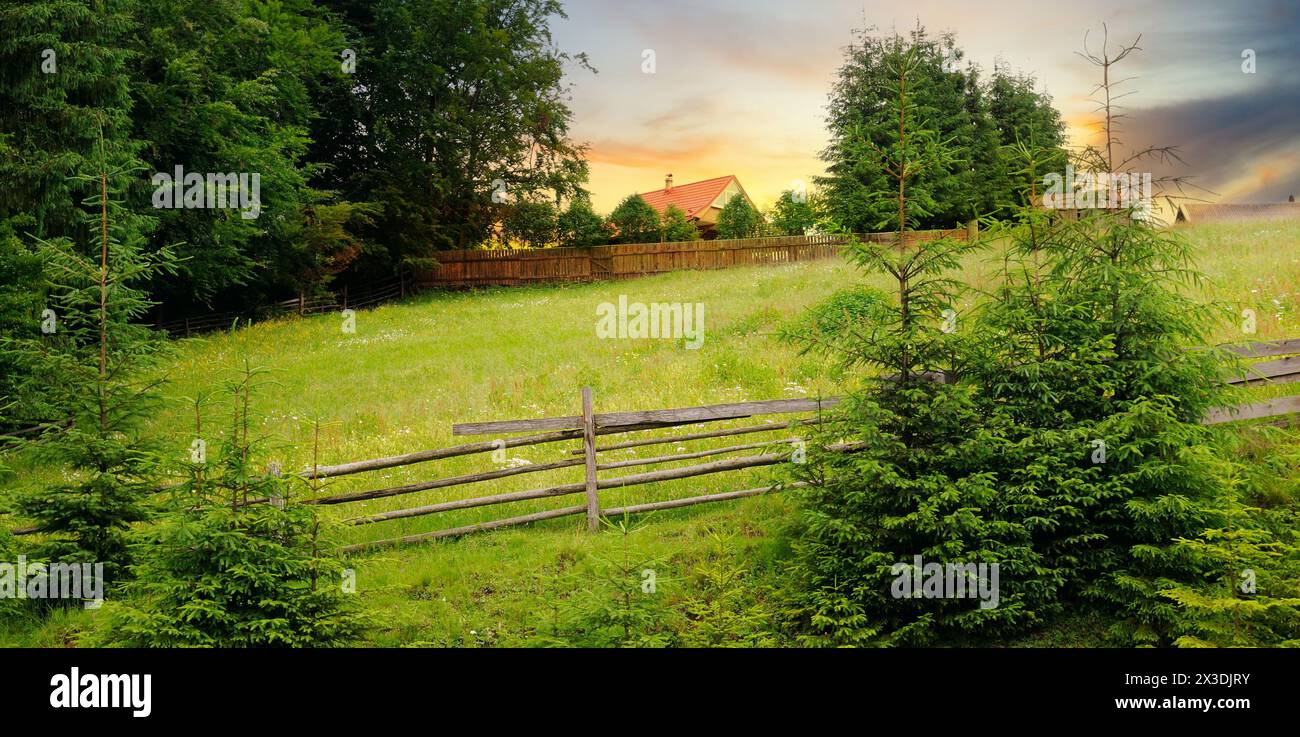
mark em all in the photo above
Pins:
pixel 740 87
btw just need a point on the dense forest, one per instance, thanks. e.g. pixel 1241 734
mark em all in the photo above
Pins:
pixel 346 143
pixel 381 133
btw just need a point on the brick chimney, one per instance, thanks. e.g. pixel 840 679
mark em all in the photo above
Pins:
pixel 668 183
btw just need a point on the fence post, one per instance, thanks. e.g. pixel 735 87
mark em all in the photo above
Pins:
pixel 972 230
pixel 589 452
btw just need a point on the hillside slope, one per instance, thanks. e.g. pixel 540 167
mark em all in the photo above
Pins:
pixel 411 370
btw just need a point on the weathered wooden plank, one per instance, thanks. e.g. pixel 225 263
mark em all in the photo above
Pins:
pixel 701 499
pixel 746 430
pixel 1253 410
pixel 469 478
pixel 407 459
pixel 1268 371
pixel 480 501
pixel 589 461
pixel 467 529
pixel 689 456
pixel 1264 349
pixel 1288 378
pixel 652 418
pixel 568 511
pixel 636 479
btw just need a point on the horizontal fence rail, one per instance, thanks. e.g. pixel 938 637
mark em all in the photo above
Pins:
pixel 590 425
pixel 651 418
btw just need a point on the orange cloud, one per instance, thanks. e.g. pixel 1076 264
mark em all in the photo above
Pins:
pixel 1259 175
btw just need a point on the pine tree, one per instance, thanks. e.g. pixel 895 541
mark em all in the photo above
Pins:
pixel 1024 118
pixel 236 562
pixel 93 368
pixel 905 466
pixel 65 88
pixel 618 603
pixel 1096 356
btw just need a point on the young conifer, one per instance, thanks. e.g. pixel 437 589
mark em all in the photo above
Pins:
pixel 914 475
pixel 93 366
pixel 1097 346
pixel 236 563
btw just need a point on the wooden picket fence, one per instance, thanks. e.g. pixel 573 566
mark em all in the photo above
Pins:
pixel 507 267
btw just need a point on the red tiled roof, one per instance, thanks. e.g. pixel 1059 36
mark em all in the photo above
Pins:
pixel 691 198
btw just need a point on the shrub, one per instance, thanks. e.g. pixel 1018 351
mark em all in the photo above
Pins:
pixel 739 219
pixel 580 227
pixel 676 227
pixel 635 221
pixel 219 571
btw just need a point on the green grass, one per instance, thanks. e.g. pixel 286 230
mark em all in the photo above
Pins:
pixel 413 369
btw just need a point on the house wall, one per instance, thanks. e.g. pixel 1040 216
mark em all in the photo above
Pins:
pixel 709 215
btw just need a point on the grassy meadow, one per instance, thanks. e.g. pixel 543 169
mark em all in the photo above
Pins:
pixel 413 369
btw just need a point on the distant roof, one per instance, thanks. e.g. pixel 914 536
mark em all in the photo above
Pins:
pixel 1196 212
pixel 691 198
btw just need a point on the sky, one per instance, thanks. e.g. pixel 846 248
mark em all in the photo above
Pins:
pixel 740 87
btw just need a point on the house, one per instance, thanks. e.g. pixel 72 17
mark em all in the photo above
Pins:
pixel 701 201
pixel 1205 213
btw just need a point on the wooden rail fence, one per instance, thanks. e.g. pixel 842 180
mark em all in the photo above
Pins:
pixel 589 426
pixel 506 267
pixel 300 305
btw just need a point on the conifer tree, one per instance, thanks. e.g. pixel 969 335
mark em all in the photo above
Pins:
pixel 93 367
pixel 1098 358
pixel 236 562
pixel 617 603
pixel 903 467
pixel 65 88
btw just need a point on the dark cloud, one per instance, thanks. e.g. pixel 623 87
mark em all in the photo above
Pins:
pixel 1237 132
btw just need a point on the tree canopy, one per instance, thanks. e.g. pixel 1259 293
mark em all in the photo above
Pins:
pixel 972 117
